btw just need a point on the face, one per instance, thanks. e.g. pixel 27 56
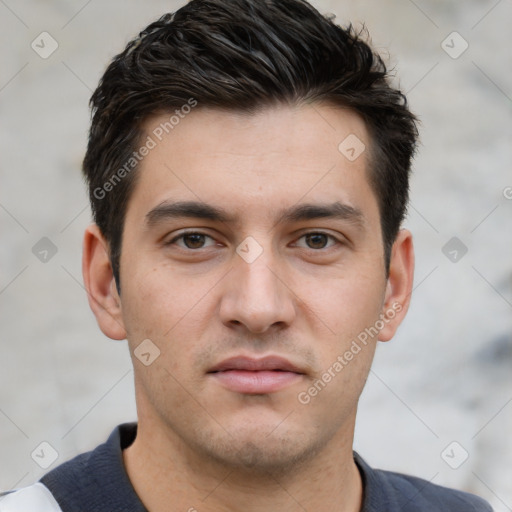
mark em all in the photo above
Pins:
pixel 253 261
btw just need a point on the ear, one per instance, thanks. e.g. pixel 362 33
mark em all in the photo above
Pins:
pixel 100 284
pixel 399 285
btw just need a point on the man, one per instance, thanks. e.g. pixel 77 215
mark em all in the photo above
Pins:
pixel 248 167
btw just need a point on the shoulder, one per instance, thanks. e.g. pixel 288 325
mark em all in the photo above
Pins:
pixel 390 491
pixel 35 497
pixel 96 481
pixel 420 494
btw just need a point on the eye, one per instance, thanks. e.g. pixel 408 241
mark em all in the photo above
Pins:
pixel 191 240
pixel 318 240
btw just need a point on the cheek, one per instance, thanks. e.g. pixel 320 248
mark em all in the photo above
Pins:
pixel 168 309
pixel 149 306
pixel 346 305
pixel 331 398
pixel 346 310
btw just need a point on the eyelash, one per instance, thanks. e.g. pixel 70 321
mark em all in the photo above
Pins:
pixel 188 233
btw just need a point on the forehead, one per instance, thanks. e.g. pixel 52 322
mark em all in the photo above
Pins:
pixel 261 162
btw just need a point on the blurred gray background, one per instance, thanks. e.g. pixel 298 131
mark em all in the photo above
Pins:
pixel 438 403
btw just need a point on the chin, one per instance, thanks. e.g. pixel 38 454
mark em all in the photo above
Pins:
pixel 254 450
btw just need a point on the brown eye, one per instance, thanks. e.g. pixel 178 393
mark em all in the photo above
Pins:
pixel 192 240
pixel 317 240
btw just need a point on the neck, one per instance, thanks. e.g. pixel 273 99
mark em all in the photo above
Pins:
pixel 168 476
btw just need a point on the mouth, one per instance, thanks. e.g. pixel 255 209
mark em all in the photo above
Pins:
pixel 256 376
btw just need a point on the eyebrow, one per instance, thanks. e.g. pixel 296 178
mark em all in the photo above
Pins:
pixel 199 210
pixel 193 209
pixel 336 210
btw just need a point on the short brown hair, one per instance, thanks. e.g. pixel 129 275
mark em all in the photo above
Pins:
pixel 243 55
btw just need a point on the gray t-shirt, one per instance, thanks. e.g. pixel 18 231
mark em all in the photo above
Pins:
pixel 97 482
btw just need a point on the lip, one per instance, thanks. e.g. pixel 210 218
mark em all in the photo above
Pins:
pixel 250 364
pixel 248 375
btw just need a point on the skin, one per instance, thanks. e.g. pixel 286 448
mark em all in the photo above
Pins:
pixel 199 444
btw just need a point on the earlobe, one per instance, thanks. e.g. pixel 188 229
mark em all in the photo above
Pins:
pixel 399 285
pixel 104 300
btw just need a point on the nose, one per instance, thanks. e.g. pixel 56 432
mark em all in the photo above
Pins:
pixel 257 295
